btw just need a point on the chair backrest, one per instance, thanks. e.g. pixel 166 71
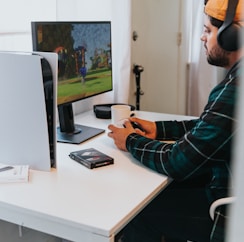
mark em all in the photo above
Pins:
pixel 219 213
pixel 220 202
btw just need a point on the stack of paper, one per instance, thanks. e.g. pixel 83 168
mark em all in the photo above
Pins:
pixel 14 173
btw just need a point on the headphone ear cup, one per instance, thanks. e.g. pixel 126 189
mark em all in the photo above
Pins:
pixel 228 37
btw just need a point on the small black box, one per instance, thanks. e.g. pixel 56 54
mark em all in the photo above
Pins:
pixel 91 158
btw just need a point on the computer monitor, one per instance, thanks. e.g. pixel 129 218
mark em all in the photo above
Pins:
pixel 84 68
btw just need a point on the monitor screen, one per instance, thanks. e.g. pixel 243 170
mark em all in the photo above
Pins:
pixel 84 65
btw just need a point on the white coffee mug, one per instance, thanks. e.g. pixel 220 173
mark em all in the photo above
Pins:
pixel 119 114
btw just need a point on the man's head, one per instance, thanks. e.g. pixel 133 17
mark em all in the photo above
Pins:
pixel 230 12
pixel 218 37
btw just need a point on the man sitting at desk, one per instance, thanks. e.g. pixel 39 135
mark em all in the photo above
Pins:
pixel 200 160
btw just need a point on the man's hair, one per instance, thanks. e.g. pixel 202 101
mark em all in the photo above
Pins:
pixel 215 22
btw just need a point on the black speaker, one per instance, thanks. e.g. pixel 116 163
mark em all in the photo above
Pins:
pixel 229 33
pixel 103 111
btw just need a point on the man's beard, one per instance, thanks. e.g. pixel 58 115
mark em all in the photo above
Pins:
pixel 218 57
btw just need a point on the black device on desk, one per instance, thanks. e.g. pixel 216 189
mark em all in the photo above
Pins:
pixel 84 68
pixel 103 111
pixel 91 158
pixel 135 125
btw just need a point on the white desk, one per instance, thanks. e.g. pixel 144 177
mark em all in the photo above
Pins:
pixel 79 204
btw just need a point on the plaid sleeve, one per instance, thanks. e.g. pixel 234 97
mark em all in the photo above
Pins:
pixel 187 157
pixel 201 145
pixel 173 130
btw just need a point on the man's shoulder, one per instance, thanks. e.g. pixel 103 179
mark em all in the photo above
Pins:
pixel 237 69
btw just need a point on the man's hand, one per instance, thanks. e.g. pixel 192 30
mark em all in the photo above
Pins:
pixel 145 127
pixel 142 127
pixel 119 135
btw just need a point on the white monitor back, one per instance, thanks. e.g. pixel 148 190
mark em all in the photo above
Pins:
pixel 24 135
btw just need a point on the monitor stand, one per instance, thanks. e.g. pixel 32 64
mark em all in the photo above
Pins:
pixel 68 132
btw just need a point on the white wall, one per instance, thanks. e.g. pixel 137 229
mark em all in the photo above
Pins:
pixel 15 18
